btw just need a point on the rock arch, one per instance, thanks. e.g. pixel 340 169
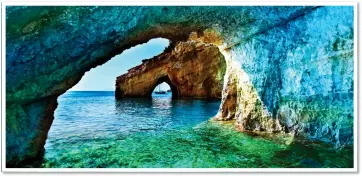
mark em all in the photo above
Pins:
pixel 167 80
pixel 192 69
pixel 277 78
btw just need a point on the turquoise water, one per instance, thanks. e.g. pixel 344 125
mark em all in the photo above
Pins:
pixel 93 130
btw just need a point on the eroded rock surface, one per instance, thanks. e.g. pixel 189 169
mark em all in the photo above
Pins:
pixel 192 69
pixel 297 78
pixel 289 69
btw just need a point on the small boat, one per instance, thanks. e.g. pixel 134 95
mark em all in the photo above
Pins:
pixel 160 91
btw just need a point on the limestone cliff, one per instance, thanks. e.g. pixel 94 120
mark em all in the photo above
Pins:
pixel 295 78
pixel 289 69
pixel 192 69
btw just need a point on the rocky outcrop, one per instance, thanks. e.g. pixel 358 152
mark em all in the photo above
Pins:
pixel 192 69
pixel 289 69
pixel 296 78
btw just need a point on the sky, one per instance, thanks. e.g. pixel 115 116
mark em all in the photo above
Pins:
pixel 102 78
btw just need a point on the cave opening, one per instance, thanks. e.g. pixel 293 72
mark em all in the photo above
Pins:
pixel 91 100
pixel 89 116
pixel 48 53
pixel 102 77
pixel 164 88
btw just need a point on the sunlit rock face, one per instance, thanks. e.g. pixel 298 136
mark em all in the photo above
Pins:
pixel 297 78
pixel 289 69
pixel 192 69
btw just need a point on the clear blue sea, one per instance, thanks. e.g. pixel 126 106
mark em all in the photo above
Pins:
pixel 92 129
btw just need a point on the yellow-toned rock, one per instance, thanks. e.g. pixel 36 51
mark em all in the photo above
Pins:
pixel 192 69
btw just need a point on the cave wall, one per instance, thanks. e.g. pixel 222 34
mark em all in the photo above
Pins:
pixel 38 36
pixel 288 68
pixel 27 131
pixel 298 77
pixel 194 70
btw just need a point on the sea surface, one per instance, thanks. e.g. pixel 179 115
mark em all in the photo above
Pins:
pixel 93 130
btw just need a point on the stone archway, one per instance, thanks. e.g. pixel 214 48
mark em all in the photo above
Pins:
pixel 167 80
pixel 48 50
pixel 193 69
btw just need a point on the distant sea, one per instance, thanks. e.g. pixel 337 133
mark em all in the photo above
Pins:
pixel 91 129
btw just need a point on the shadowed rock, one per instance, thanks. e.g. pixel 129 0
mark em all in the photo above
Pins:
pixel 289 69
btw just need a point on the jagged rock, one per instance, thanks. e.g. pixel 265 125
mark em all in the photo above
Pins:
pixel 288 68
pixel 192 69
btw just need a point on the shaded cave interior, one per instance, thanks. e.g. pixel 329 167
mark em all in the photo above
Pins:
pixel 43 119
pixel 30 107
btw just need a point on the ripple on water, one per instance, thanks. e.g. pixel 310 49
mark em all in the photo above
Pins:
pixel 93 130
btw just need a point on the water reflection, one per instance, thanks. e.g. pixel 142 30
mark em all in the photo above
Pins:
pixel 91 115
pixel 93 130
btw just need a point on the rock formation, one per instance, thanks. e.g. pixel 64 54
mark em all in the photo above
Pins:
pixel 192 69
pixel 289 69
pixel 295 78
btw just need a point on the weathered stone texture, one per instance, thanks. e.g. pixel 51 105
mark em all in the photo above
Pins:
pixel 302 74
pixel 192 69
pixel 290 68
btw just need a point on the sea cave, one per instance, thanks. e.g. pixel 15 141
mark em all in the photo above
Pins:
pixel 240 77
